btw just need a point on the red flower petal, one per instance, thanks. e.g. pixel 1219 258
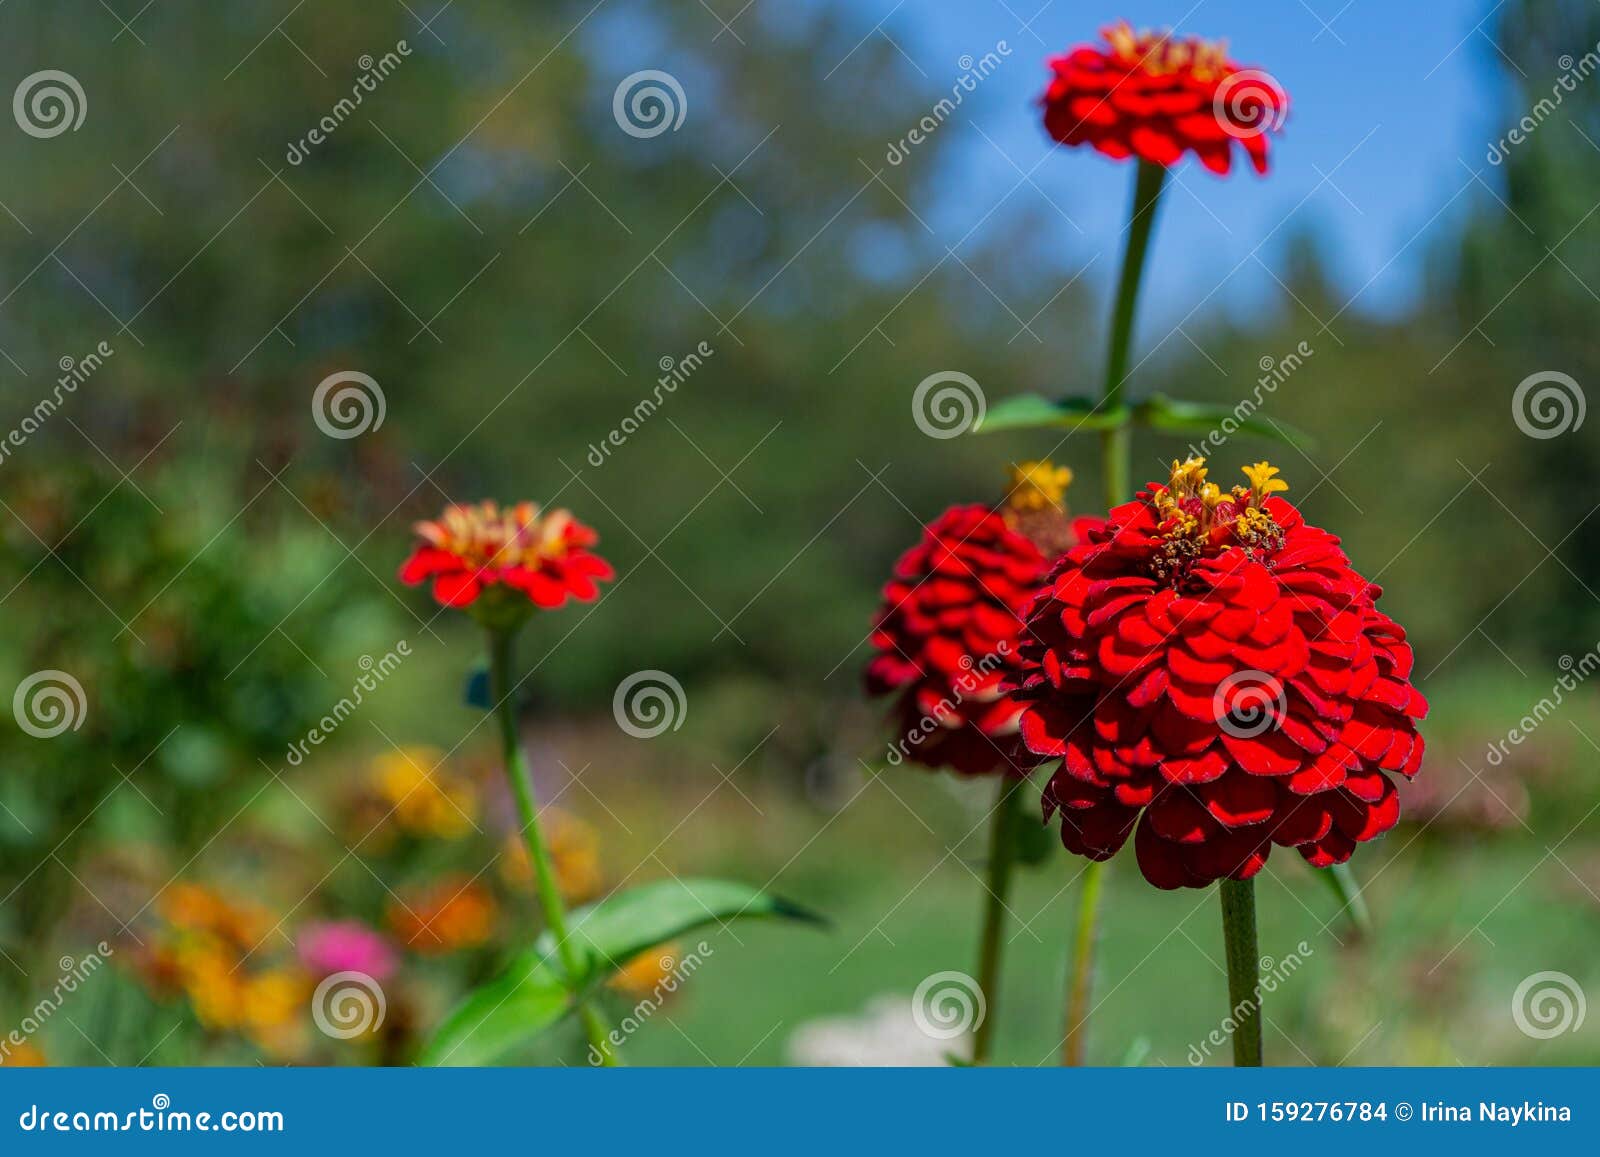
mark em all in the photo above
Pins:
pixel 1151 689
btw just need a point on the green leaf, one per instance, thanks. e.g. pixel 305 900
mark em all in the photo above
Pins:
pixel 534 992
pixel 615 930
pixel 516 1006
pixel 1030 411
pixel 1342 883
pixel 1159 412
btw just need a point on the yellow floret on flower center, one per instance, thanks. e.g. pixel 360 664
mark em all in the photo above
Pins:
pixel 484 535
pixel 1161 54
pixel 1196 516
pixel 1264 480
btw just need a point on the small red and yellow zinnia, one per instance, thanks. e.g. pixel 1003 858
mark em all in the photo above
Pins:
pixel 1157 96
pixel 947 633
pixel 542 557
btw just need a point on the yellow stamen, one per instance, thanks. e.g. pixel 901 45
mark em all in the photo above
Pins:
pixel 1264 480
pixel 1187 477
pixel 1160 53
pixel 1039 485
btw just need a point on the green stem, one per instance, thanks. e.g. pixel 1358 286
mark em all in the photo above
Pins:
pixel 1116 445
pixel 1002 856
pixel 1116 442
pixel 1239 939
pixel 501 645
pixel 1081 977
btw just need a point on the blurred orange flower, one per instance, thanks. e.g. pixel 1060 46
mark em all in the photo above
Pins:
pixel 647 973
pixel 23 1056
pixel 574 853
pixel 197 908
pixel 451 915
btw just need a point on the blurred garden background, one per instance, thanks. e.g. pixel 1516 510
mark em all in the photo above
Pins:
pixel 482 238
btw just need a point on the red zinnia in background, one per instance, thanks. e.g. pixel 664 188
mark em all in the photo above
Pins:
pixel 1153 96
pixel 541 557
pixel 947 633
pixel 1208 667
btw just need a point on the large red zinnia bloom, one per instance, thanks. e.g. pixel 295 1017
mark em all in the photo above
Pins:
pixel 541 557
pixel 946 635
pixel 1210 670
pixel 1152 96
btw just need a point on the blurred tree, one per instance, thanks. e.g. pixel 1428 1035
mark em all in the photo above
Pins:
pixel 455 210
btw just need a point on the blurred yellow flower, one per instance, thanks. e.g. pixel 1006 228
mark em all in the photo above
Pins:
pixel 273 1001
pixel 214 988
pixel 423 796
pixel 574 854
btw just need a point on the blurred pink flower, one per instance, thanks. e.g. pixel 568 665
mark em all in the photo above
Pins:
pixel 346 946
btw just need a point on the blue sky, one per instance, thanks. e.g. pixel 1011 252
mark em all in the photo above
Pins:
pixel 1392 109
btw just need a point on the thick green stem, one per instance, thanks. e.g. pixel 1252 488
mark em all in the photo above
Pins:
pixel 501 644
pixel 1116 442
pixel 1244 962
pixel 1002 856
pixel 1080 979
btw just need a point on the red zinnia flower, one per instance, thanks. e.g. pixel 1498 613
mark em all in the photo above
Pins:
pixel 947 633
pixel 1154 97
pixel 543 557
pixel 1209 667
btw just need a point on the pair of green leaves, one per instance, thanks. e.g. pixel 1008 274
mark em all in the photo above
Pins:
pixel 1158 412
pixel 534 993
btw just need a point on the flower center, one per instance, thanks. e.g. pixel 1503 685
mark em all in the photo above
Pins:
pixel 1038 485
pixel 1161 54
pixel 1197 518
pixel 1035 506
pixel 485 536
